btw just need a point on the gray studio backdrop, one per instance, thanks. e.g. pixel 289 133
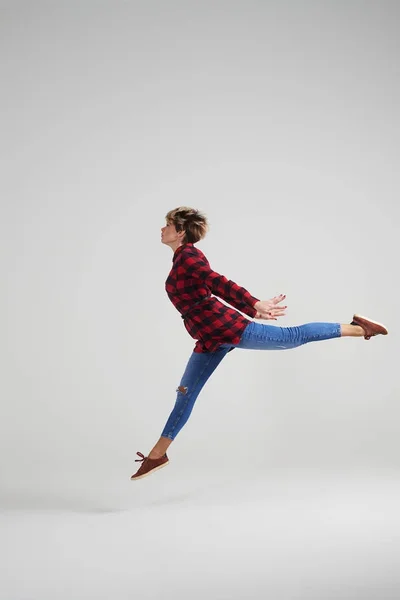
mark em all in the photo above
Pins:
pixel 281 122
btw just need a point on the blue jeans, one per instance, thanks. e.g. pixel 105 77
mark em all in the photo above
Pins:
pixel 256 336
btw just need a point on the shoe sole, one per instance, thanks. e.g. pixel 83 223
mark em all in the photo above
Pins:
pixel 385 332
pixel 150 472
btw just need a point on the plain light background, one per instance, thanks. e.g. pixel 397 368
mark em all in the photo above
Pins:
pixel 280 121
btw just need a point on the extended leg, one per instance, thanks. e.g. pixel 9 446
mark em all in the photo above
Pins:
pixel 258 336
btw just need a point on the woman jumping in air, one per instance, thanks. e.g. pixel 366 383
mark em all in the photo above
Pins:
pixel 218 328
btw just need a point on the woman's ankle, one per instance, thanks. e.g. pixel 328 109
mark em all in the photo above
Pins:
pixel 351 330
pixel 156 454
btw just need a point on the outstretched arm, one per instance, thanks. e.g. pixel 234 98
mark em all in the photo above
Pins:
pixel 199 268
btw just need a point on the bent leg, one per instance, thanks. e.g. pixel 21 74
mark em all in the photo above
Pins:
pixel 258 336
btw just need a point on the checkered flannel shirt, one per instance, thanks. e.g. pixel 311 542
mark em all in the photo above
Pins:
pixel 207 319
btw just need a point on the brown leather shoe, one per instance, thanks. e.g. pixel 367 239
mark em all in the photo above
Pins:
pixel 149 465
pixel 371 328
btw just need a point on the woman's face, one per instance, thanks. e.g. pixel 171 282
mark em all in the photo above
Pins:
pixel 169 235
pixel 167 231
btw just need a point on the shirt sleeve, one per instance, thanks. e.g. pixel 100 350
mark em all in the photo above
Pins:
pixel 198 267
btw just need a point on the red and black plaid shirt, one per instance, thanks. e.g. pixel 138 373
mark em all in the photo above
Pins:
pixel 207 319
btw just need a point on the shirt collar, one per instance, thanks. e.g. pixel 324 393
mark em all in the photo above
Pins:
pixel 179 249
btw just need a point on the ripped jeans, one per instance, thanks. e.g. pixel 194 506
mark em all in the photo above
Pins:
pixel 256 336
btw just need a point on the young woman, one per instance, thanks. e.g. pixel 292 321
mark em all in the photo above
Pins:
pixel 218 328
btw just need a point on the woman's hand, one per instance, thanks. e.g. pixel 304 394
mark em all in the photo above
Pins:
pixel 269 309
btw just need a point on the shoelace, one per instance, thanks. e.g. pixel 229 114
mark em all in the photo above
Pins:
pixel 143 457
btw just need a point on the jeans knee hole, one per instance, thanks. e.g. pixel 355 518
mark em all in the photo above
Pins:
pixel 182 389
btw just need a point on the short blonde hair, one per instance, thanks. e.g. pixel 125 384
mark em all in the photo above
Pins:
pixel 190 220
